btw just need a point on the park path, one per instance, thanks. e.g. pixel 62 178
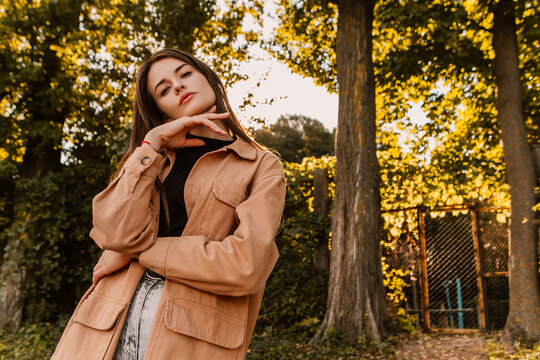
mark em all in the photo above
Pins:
pixel 444 347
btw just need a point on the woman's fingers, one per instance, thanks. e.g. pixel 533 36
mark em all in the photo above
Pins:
pixel 216 116
pixel 213 109
pixel 98 271
pixel 193 142
pixel 172 134
pixel 210 124
pixel 96 276
pixel 109 262
pixel 201 117
pixel 200 120
pixel 187 123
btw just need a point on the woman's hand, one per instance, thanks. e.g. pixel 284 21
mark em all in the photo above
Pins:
pixel 172 134
pixel 109 262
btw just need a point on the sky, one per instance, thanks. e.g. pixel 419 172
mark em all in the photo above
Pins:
pixel 293 95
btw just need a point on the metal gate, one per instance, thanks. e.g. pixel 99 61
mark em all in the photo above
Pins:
pixel 456 258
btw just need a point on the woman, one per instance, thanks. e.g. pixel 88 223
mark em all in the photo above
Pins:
pixel 187 226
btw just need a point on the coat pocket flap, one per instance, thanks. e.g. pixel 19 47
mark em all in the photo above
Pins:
pixel 98 312
pixel 229 193
pixel 204 323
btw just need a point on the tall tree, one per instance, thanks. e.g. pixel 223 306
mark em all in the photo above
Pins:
pixel 524 314
pixel 440 55
pixel 356 305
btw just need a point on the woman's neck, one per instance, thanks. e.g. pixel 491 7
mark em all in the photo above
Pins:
pixel 201 130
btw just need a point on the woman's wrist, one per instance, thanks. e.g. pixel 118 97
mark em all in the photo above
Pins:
pixel 152 146
pixel 154 142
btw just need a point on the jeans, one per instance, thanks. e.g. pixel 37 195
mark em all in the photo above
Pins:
pixel 140 317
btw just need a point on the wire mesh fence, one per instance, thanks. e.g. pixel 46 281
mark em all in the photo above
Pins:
pixel 456 260
pixel 494 238
pixel 451 271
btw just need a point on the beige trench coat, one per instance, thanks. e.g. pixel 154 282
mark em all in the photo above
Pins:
pixel 215 272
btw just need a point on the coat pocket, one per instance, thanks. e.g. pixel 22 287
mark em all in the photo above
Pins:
pixel 98 312
pixel 204 323
pixel 91 328
pixel 231 194
pixel 219 215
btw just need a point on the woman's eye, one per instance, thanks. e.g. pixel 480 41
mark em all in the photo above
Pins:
pixel 164 91
pixel 187 73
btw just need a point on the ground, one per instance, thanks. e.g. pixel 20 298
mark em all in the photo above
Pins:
pixel 442 347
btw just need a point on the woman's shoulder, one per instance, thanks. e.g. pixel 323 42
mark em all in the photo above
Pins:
pixel 269 163
pixel 248 150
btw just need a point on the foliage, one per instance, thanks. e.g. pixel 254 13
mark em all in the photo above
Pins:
pixel 438 56
pixel 52 218
pixel 295 295
pixel 522 349
pixel 222 41
pixel 33 341
pixel 84 100
pixel 305 39
pixel 7 187
pixel 394 281
pixel 297 136
pixel 267 347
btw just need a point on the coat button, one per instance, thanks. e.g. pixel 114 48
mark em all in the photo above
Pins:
pixel 145 160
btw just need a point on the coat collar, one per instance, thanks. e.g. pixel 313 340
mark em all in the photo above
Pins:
pixel 241 147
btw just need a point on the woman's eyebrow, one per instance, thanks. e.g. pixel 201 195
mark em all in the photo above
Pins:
pixel 175 71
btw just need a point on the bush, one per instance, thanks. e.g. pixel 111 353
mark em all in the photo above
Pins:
pixel 47 239
pixel 32 341
pixel 295 296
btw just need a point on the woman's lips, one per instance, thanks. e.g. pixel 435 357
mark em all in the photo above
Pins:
pixel 186 98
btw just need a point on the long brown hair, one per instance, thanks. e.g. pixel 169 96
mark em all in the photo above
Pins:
pixel 147 115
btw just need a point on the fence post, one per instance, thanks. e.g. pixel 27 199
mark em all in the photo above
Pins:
pixel 479 268
pixel 320 201
pixel 420 211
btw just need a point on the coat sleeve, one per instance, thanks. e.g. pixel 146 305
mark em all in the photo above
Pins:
pixel 123 215
pixel 241 263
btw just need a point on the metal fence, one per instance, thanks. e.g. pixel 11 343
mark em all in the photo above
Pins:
pixel 456 260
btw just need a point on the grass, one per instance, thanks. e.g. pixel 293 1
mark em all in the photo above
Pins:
pixel 522 349
pixel 266 347
pixel 30 342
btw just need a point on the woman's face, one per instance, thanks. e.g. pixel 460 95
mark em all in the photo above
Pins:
pixel 179 89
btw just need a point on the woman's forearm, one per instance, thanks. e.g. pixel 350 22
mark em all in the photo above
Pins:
pixel 124 213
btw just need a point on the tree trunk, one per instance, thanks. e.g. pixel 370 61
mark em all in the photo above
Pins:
pixel 356 307
pixel 11 299
pixel 524 314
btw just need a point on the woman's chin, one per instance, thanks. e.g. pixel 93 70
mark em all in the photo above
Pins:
pixel 193 110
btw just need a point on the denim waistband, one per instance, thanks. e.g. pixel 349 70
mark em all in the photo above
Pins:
pixel 153 274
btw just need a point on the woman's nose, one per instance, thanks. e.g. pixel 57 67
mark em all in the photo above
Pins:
pixel 179 87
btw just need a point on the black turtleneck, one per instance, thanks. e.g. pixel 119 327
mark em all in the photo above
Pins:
pixel 175 181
